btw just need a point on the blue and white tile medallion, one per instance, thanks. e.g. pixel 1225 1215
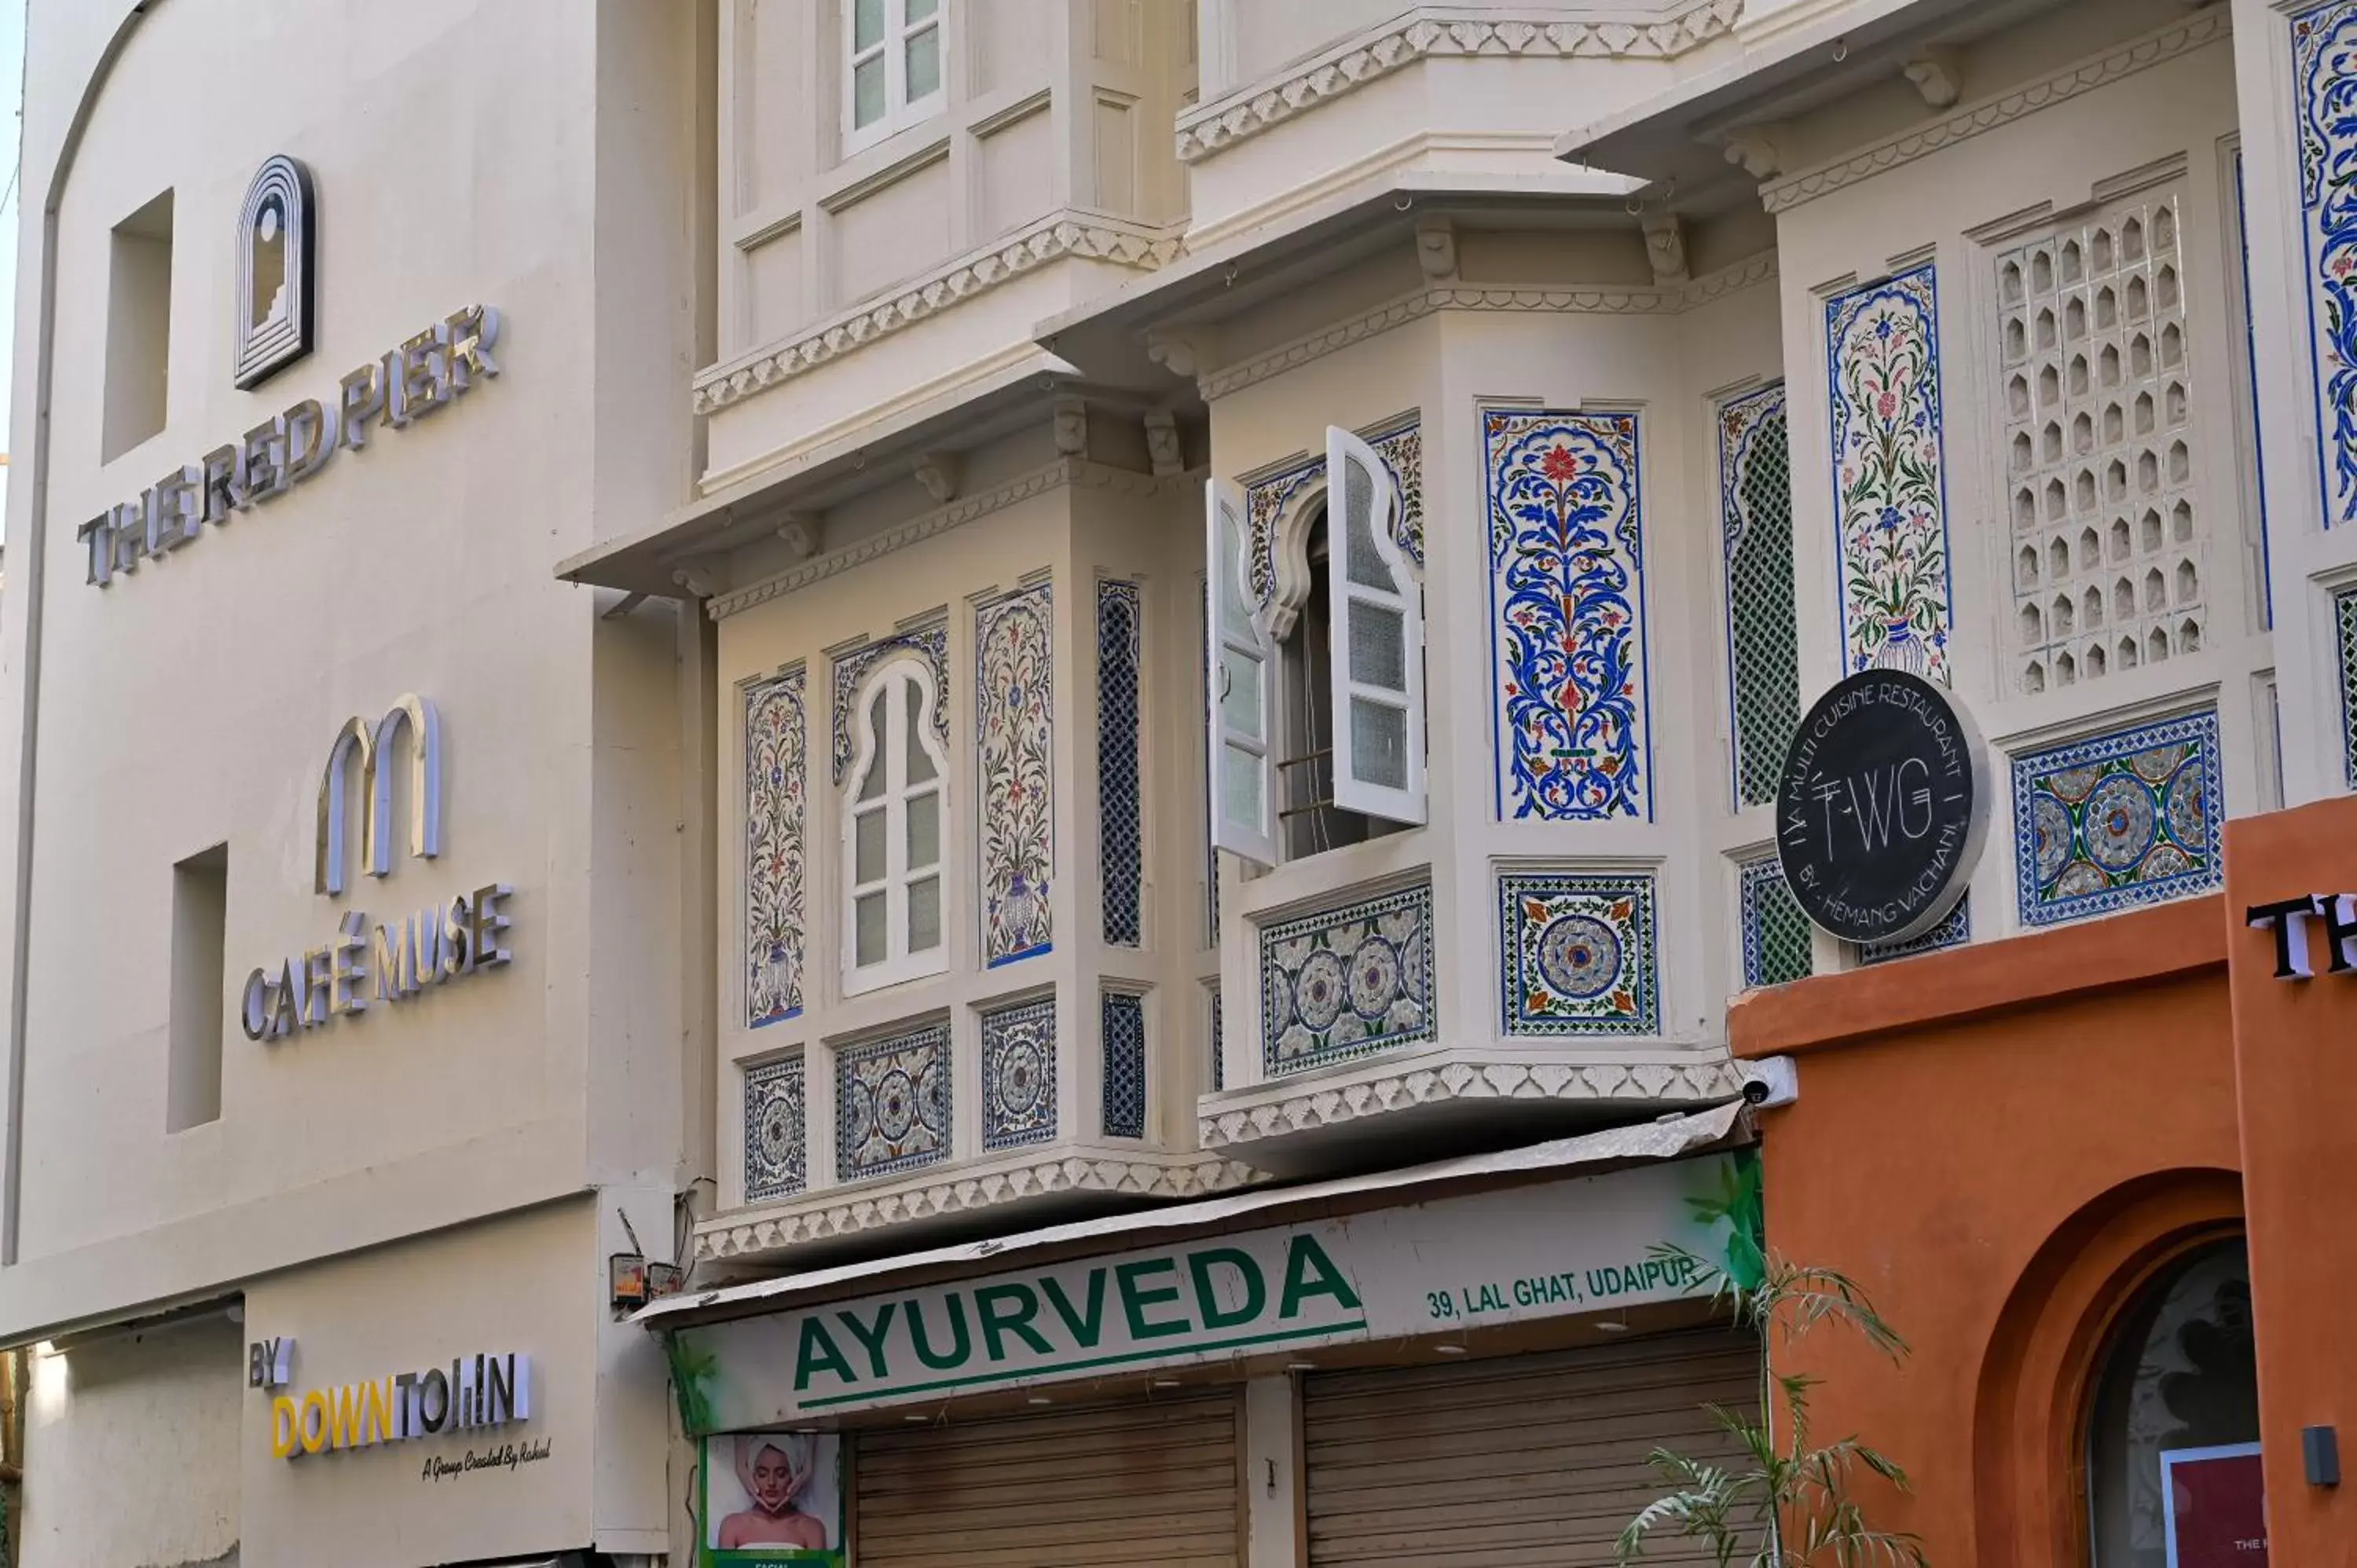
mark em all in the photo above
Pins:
pixel 1567 599
pixel 2118 820
pixel 774 1127
pixel 1580 954
pixel 776 791
pixel 931 644
pixel 1019 1075
pixel 1121 813
pixel 1882 353
pixel 892 1103
pixel 1347 982
pixel 2324 81
pixel 1015 741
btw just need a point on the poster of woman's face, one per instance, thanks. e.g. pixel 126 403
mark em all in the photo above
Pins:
pixel 773 1497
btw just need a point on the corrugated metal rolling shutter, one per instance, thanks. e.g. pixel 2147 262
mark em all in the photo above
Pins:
pixel 1129 1484
pixel 1525 1460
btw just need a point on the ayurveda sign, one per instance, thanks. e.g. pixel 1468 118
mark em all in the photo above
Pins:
pixel 1589 1245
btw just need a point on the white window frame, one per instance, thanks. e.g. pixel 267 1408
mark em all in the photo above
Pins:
pixel 1403 598
pixel 1230 747
pixel 904 681
pixel 900 111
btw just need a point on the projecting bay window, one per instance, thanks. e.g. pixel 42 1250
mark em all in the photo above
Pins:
pixel 892 835
pixel 1318 723
pixel 893 59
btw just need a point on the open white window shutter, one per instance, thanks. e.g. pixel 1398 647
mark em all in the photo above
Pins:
pixel 1242 802
pixel 1378 658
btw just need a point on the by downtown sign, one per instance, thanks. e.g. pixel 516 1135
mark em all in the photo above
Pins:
pixel 1589 1244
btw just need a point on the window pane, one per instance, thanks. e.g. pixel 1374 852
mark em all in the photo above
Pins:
pixel 868 836
pixel 1361 561
pixel 867 24
pixel 867 92
pixel 920 9
pixel 925 914
pixel 1240 703
pixel 1241 805
pixel 924 832
pixel 1378 647
pixel 1378 744
pixel 921 766
pixel 867 919
pixel 924 64
pixel 871 786
pixel 1235 616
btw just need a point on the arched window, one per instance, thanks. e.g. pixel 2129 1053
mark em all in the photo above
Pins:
pixel 892 835
pixel 2173 1435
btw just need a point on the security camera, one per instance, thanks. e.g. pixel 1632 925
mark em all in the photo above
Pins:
pixel 1771 1082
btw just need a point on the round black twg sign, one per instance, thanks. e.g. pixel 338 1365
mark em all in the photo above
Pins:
pixel 1882 807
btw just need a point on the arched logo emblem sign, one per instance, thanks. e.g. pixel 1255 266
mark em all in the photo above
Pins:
pixel 1882 807
pixel 276 256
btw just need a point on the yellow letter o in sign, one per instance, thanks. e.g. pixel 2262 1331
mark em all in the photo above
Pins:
pixel 315 1433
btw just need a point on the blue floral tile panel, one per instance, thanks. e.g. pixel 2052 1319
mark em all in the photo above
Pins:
pixel 1580 954
pixel 1015 738
pixel 1344 983
pixel 892 1103
pixel 776 741
pixel 1019 1075
pixel 2118 820
pixel 2324 81
pixel 774 1128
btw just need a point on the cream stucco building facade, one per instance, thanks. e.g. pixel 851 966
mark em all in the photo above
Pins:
pixel 1162 612
pixel 337 329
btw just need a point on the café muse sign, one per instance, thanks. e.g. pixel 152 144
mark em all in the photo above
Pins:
pixel 441 942
pixel 1882 807
pixel 431 369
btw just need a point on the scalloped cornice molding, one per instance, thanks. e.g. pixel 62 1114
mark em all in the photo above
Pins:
pixel 2195 32
pixel 1063 472
pixel 814 1219
pixel 1668 300
pixel 1333 1104
pixel 1433 30
pixel 1068 233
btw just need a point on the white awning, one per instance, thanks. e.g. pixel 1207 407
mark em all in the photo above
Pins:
pixel 1667 1139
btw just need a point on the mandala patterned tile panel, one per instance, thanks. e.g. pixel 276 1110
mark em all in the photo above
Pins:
pixel 2107 538
pixel 1015 742
pixel 892 1104
pixel 1952 932
pixel 776 796
pixel 1124 1021
pixel 2344 621
pixel 2117 821
pixel 1346 982
pixel 1400 446
pixel 1019 1075
pixel 1777 943
pixel 1580 955
pixel 1121 814
pixel 774 1131
pixel 1882 353
pixel 1566 597
pixel 1763 647
pixel 932 645
pixel 2324 78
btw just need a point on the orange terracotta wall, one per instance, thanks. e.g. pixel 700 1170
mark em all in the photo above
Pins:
pixel 2297 1075
pixel 1999 1143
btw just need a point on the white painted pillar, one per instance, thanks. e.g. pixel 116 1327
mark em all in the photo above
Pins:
pixel 1272 1479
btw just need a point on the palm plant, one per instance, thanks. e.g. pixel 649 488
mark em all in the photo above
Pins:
pixel 1787 1503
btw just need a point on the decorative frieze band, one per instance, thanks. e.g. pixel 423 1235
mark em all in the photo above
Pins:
pixel 1055 476
pixel 1428 31
pixel 1565 299
pixel 1059 234
pixel 2154 49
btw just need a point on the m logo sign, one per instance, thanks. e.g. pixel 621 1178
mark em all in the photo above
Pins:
pixel 372 748
pixel 274 272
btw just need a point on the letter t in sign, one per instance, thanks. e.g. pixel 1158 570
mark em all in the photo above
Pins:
pixel 2287 917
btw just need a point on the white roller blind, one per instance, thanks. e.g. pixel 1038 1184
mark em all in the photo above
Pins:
pixel 1244 803
pixel 1144 1483
pixel 1378 662
pixel 1521 1462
